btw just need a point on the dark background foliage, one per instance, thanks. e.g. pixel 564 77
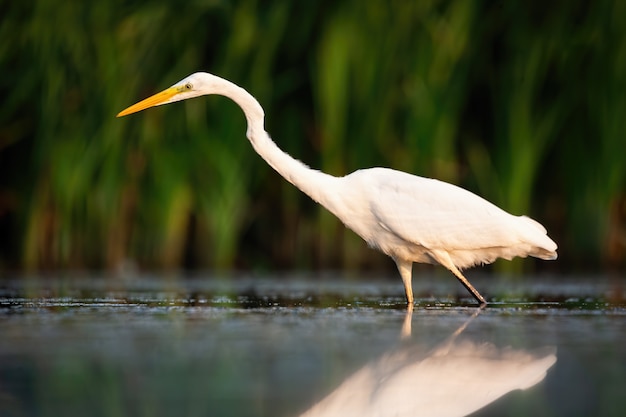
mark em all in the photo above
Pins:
pixel 519 101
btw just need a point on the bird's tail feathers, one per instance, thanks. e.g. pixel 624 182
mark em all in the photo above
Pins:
pixel 544 254
pixel 543 246
pixel 535 224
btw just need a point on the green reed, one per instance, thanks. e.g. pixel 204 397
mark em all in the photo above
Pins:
pixel 516 102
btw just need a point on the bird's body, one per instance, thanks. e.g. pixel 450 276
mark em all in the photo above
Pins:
pixel 415 219
pixel 409 218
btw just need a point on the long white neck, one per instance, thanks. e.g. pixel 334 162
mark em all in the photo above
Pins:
pixel 310 181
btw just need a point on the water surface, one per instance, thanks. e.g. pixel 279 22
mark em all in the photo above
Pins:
pixel 257 346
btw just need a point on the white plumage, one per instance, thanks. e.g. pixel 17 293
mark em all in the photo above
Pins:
pixel 409 218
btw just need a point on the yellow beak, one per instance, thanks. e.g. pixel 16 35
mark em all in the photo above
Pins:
pixel 155 100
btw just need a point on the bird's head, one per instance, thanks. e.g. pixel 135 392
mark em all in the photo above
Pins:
pixel 197 84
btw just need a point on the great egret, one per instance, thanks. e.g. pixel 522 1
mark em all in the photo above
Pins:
pixel 409 218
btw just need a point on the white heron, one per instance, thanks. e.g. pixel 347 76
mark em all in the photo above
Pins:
pixel 409 218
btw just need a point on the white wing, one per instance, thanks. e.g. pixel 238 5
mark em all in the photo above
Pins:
pixel 438 215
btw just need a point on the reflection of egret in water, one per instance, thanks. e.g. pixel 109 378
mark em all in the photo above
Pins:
pixel 455 378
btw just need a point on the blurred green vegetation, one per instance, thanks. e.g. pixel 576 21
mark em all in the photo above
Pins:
pixel 521 103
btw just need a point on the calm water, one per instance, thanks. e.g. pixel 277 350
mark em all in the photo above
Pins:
pixel 315 346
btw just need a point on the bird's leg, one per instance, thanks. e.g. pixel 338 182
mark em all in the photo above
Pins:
pixel 406 272
pixel 469 286
pixel 444 259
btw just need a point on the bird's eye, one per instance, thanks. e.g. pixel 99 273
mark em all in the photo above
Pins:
pixel 188 86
